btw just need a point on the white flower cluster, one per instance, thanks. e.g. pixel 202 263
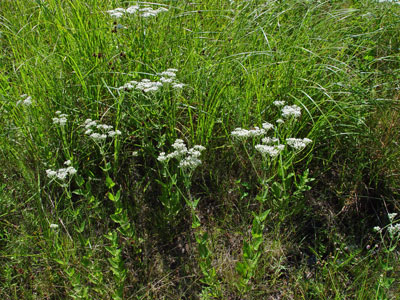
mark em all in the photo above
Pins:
pixel 53 226
pixel 291 110
pixel 390 1
pixel 144 11
pixel 298 144
pixel 146 85
pixel 188 158
pixel 391 216
pixel 63 172
pixel 279 103
pixel 61 119
pixel 27 101
pixel 99 132
pixel 394 230
pixel 240 133
pixel 272 151
pixel 268 140
pixel 377 229
pixel 268 147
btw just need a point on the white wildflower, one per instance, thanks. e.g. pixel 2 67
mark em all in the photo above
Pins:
pixel 113 133
pixel 61 119
pixel 178 86
pixel 116 13
pixel 162 157
pixel 279 103
pixel 272 151
pixel 146 85
pixel 293 110
pixel 71 170
pixel 392 216
pixel 128 86
pixel 267 126
pixel 189 162
pixel 91 124
pixel 27 101
pixel 168 74
pixel 51 173
pixel 199 148
pixel 88 132
pixel 96 136
pixel 188 159
pixel 268 140
pixel 151 89
pixel 67 163
pixel 377 229
pixel 53 226
pixel 240 133
pixel 179 145
pixel 298 144
pixel 145 11
pixel 280 121
pixel 61 173
pixel 104 127
pixel 166 80
pixel 132 9
pixel 394 230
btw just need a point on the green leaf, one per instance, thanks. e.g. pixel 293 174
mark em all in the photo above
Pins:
pixel 109 182
pixel 80 228
pixel 79 180
pixel 118 195
pixel 203 250
pixel 247 251
pixel 241 268
pixel 195 222
pixel 277 190
pixel 264 215
pixel 257 242
pixel 111 196
pixel 61 262
pixel 79 192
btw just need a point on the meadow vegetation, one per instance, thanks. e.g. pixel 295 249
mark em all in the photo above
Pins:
pixel 199 150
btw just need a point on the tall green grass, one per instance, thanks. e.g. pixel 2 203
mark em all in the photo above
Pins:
pixel 240 227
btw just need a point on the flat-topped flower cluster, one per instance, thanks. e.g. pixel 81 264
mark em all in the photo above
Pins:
pixel 146 85
pixel 393 230
pixel 27 100
pixel 271 146
pixel 291 111
pixel 62 173
pixel 144 11
pixel 188 158
pixel 99 132
pixel 240 133
pixel 61 118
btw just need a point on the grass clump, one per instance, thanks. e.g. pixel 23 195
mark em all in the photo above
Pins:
pixel 213 150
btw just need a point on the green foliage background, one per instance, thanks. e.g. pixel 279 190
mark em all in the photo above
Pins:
pixel 337 60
